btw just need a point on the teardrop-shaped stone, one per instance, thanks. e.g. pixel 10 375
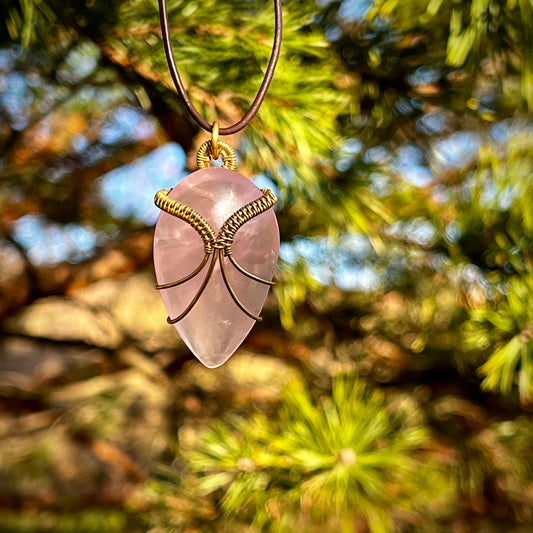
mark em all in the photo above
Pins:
pixel 215 327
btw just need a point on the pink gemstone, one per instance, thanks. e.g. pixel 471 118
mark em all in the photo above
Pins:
pixel 215 327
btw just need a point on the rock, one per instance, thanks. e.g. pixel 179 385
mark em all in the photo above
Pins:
pixel 29 364
pixel 136 308
pixel 61 319
pixel 248 376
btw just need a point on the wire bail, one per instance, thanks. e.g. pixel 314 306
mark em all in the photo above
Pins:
pixel 206 153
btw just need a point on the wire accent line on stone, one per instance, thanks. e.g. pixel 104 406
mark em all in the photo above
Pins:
pixel 219 246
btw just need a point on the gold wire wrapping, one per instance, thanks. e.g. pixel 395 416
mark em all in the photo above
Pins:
pixel 224 239
pixel 206 153
pixel 241 216
pixel 187 214
pixel 218 246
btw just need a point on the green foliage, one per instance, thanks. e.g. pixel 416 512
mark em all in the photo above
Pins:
pixel 490 226
pixel 18 21
pixel 292 291
pixel 493 203
pixel 344 456
pixel 479 31
pixel 89 521
pixel 503 328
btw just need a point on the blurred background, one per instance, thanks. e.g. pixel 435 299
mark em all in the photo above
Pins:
pixel 389 387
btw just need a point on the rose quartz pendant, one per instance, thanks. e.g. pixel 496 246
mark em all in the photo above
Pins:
pixel 215 326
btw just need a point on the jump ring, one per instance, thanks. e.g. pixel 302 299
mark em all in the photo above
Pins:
pixel 214 140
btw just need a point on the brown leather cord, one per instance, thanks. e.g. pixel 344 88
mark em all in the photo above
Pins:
pixel 256 104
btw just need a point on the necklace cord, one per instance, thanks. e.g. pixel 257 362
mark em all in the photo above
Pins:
pixel 182 91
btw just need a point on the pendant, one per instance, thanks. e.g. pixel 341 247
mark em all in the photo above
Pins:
pixel 216 244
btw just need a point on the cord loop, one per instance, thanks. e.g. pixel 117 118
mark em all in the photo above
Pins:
pixel 261 93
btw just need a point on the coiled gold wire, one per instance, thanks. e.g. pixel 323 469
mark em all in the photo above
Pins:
pixel 224 239
pixel 206 153
pixel 241 216
pixel 187 214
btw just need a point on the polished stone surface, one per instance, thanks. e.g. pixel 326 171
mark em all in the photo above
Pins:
pixel 215 326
